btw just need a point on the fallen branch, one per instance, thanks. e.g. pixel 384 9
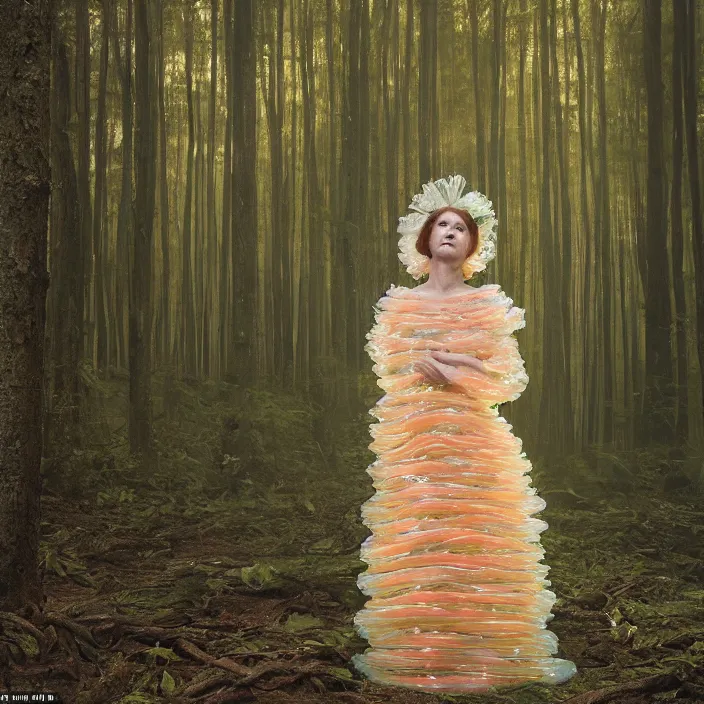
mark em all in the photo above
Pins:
pixel 223 663
pixel 81 631
pixel 646 685
pixel 203 686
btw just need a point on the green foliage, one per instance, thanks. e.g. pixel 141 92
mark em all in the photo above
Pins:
pixel 301 622
pixel 63 562
pixel 156 656
pixel 259 576
pixel 168 684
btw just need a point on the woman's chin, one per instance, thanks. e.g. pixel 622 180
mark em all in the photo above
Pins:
pixel 448 255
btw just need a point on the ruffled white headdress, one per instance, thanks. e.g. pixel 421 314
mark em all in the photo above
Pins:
pixel 439 194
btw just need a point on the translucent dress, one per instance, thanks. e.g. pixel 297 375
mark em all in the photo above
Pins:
pixel 458 593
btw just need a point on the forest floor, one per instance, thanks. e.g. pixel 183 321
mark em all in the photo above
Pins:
pixel 191 586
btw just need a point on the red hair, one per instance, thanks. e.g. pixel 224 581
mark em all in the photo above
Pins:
pixel 423 241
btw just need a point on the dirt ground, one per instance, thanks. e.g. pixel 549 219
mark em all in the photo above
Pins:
pixel 172 588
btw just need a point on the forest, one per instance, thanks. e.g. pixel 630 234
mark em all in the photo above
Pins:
pixel 199 202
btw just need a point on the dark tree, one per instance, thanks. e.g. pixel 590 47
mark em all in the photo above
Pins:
pixel 244 194
pixel 66 292
pixel 140 344
pixel 657 305
pixel 24 202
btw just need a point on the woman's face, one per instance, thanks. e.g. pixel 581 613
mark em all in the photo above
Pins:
pixel 449 239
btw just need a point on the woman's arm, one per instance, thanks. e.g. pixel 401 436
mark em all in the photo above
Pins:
pixel 458 360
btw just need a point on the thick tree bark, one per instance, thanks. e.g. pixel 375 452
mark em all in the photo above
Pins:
pixel 24 200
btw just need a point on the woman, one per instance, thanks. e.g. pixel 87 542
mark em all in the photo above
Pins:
pixel 458 594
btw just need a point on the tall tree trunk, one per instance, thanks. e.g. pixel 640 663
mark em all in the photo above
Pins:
pixel 25 48
pixel 408 176
pixel 348 324
pixel 658 364
pixel 604 393
pixel 199 252
pixel 335 199
pixel 61 434
pixel 391 107
pixel 100 228
pixel 427 91
pixel 124 219
pixel 266 70
pixel 312 290
pixel 495 73
pixel 188 312
pixel 473 12
pixel 140 414
pixel 212 235
pixel 549 405
pixel 226 242
pixel 244 192
pixel 691 91
pixel 563 274
pixel 584 205
pixel 508 268
pixel 679 14
pixel 165 327
pixel 305 298
pixel 291 203
pixel 522 156
pixel 83 148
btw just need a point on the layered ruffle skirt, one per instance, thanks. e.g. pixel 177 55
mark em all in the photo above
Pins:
pixel 459 599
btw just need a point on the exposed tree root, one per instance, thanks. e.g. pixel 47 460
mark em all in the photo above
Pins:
pixel 646 685
pixel 25 625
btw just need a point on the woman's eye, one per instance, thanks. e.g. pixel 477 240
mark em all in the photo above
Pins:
pixel 444 222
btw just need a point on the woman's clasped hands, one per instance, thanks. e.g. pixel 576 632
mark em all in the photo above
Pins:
pixel 440 366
